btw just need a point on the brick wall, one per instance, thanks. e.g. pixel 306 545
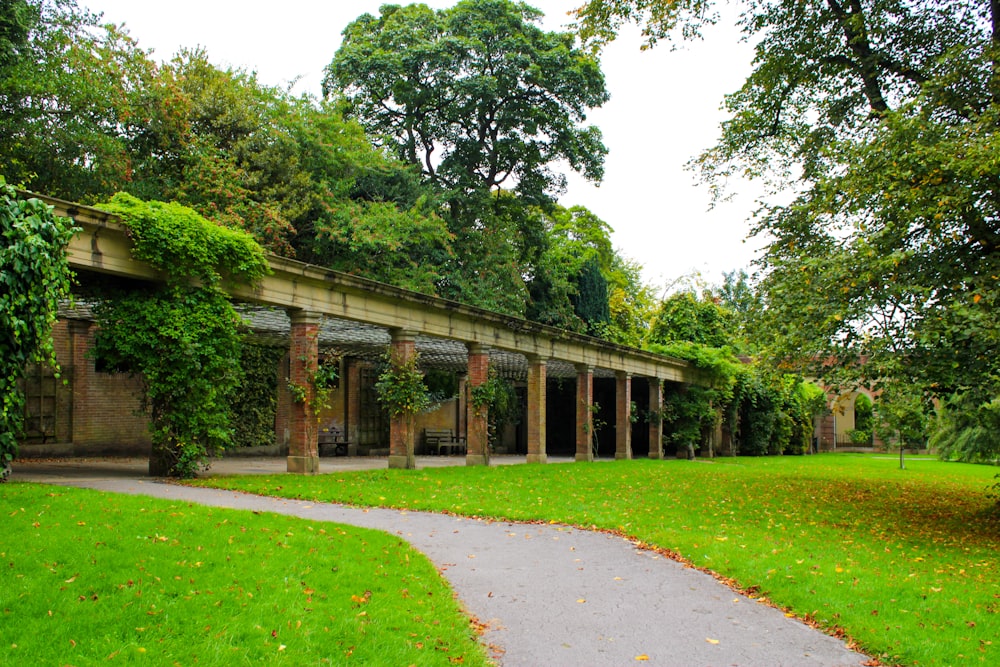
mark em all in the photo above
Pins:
pixel 98 412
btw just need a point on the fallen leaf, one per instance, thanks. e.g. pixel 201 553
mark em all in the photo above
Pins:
pixel 711 641
pixel 642 658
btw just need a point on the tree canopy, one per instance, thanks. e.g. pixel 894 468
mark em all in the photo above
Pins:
pixel 477 95
pixel 452 193
pixel 879 117
pixel 488 106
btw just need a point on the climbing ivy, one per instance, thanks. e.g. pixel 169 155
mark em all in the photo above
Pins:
pixel 400 387
pixel 182 337
pixel 497 395
pixel 34 276
pixel 186 245
pixel 254 406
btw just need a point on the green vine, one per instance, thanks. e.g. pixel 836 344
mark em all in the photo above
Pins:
pixel 181 338
pixel 497 395
pixel 34 276
pixel 400 387
pixel 323 382
pixel 255 405
pixel 178 240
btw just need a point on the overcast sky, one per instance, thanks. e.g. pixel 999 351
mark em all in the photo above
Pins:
pixel 664 109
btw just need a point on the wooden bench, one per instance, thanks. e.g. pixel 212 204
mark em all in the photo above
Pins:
pixel 332 440
pixel 437 439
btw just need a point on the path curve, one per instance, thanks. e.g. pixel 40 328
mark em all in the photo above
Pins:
pixel 555 595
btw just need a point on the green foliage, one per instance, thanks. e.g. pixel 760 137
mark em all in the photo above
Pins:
pixel 178 240
pixel 182 340
pixel 965 429
pixel 879 118
pixel 901 416
pixel 14 18
pixel 776 413
pixel 591 301
pixel 863 413
pixel 34 276
pixel 479 86
pixel 441 385
pixel 685 317
pixel 860 436
pixel 255 403
pixel 498 397
pixel 70 98
pixel 630 304
pixel 400 387
pixel 183 343
pixel 692 411
pixel 739 298
pixel 484 103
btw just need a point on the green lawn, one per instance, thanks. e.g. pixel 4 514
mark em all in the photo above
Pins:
pixel 93 578
pixel 905 562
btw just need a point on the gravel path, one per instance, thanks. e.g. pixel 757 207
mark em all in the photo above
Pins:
pixel 549 594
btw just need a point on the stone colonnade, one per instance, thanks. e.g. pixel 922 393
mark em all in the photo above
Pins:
pixel 303 429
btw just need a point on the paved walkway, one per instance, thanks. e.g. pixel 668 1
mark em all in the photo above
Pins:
pixel 550 595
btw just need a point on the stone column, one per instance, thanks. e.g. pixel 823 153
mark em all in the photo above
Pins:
pixel 623 415
pixel 584 414
pixel 478 452
pixel 656 419
pixel 536 410
pixel 401 437
pixel 303 429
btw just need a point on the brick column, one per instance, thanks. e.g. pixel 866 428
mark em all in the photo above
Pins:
pixel 536 410
pixel 351 386
pixel 584 415
pixel 478 452
pixel 402 349
pixel 656 421
pixel 303 428
pixel 623 415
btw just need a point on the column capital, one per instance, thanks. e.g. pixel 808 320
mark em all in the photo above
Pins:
pixel 623 375
pixel 538 359
pixel 477 348
pixel 402 335
pixel 584 368
pixel 301 316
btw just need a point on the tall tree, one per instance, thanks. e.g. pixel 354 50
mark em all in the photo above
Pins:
pixel 478 94
pixel 68 99
pixel 482 99
pixel 880 117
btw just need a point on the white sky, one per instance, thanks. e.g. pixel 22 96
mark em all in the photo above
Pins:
pixel 664 110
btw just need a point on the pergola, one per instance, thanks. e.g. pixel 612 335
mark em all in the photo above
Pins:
pixel 307 307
